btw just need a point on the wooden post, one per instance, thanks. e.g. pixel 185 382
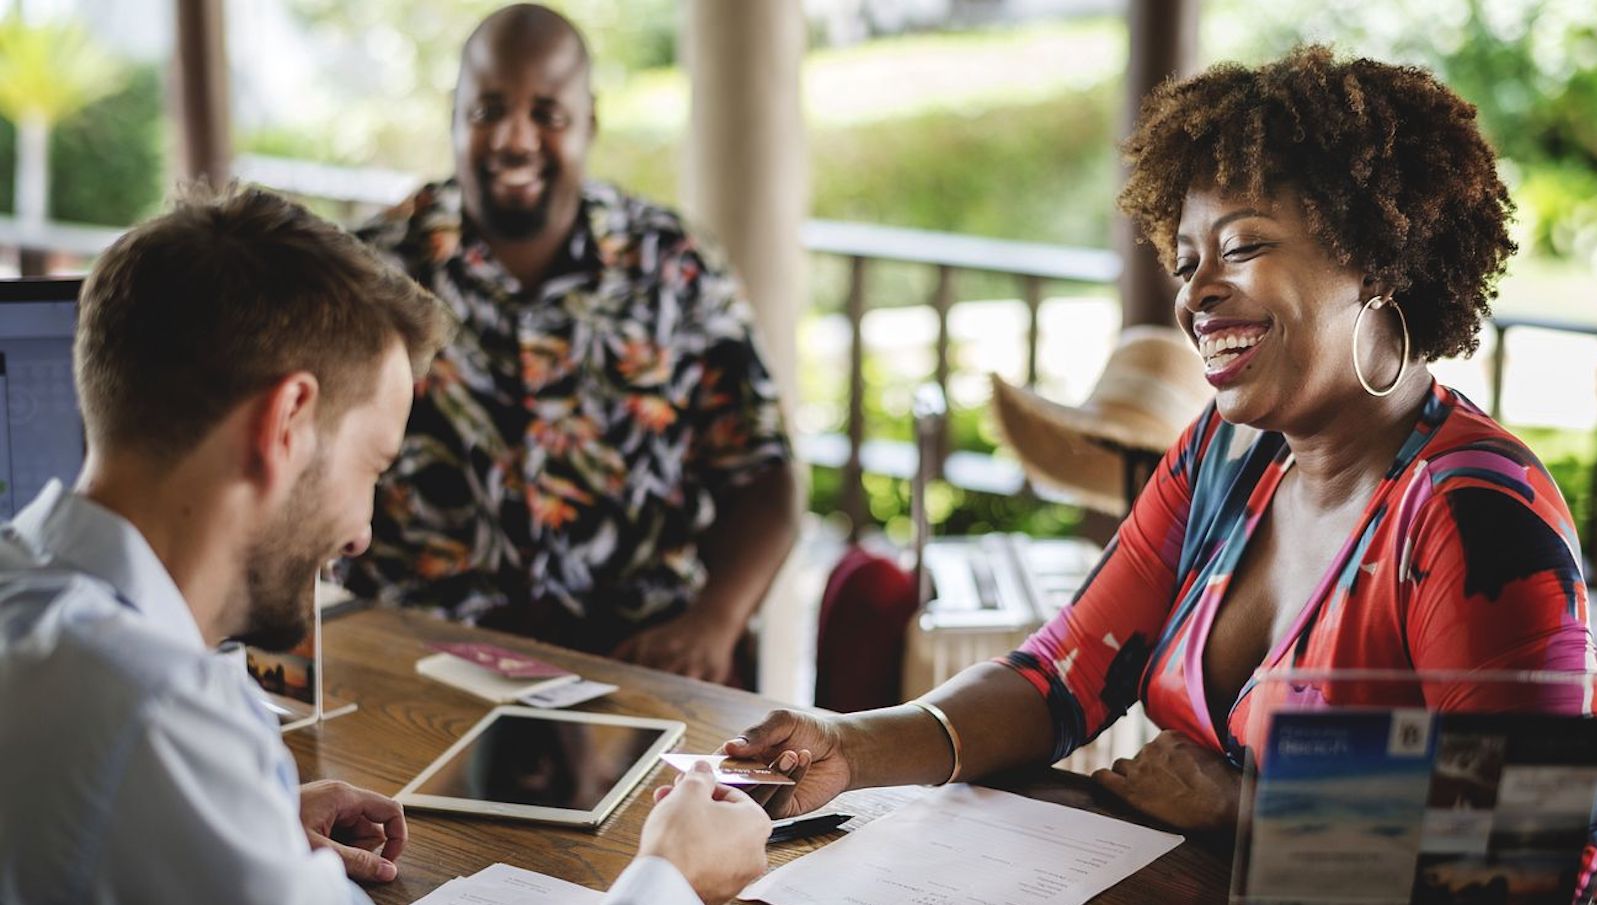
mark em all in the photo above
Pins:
pixel 1499 360
pixel 202 87
pixel 853 492
pixel 1164 41
pixel 746 168
pixel 942 302
pixel 1031 288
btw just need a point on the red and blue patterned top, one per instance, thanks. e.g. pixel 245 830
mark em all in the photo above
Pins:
pixel 1465 558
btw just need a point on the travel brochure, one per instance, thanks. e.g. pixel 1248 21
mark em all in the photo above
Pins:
pixel 1397 806
pixel 291 681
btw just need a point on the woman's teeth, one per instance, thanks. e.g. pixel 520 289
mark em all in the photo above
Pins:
pixel 1220 349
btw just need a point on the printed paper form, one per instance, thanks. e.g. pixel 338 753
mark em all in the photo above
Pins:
pixel 966 844
pixel 501 884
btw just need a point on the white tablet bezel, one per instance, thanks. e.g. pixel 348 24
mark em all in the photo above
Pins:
pixel 673 730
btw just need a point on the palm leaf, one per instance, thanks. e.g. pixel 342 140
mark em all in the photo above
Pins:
pixel 50 71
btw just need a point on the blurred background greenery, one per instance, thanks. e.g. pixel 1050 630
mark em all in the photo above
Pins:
pixel 1002 129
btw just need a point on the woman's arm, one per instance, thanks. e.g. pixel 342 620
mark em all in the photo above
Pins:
pixel 1070 679
pixel 1001 722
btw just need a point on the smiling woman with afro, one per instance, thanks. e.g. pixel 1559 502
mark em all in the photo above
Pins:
pixel 1334 225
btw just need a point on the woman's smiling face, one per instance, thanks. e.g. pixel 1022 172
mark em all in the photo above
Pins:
pixel 1269 308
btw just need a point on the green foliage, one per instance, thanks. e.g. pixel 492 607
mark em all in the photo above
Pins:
pixel 1558 209
pixel 1530 69
pixel 1029 171
pixel 951 511
pixel 1038 170
pixel 51 70
pixel 107 162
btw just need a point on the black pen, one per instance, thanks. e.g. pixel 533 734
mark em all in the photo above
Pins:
pixel 803 827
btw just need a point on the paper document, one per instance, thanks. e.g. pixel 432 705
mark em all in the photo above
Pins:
pixel 501 884
pixel 869 804
pixel 968 844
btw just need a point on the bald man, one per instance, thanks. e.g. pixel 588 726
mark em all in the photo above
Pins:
pixel 598 460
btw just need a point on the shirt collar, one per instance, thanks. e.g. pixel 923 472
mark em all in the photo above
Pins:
pixel 602 225
pixel 66 529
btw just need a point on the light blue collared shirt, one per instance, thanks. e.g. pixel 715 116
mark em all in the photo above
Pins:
pixel 136 765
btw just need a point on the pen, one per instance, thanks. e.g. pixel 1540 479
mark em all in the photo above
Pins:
pixel 803 827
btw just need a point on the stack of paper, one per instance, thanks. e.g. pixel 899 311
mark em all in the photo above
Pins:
pixel 501 884
pixel 968 844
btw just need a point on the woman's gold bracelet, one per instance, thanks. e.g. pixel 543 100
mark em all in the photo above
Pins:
pixel 948 728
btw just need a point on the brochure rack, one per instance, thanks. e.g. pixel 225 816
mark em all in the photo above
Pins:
pixel 1366 786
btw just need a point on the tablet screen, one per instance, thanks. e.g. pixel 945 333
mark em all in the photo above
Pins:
pixel 542 762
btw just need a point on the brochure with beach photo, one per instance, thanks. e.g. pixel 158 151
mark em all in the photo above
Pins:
pixel 291 681
pixel 288 679
pixel 1398 806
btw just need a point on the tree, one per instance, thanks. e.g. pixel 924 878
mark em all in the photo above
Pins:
pixel 47 73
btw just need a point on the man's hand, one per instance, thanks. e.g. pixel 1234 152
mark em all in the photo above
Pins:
pixel 354 822
pixel 690 645
pixel 806 748
pixel 1176 780
pixel 714 835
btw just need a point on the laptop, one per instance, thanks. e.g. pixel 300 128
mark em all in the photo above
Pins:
pixel 1355 793
pixel 41 432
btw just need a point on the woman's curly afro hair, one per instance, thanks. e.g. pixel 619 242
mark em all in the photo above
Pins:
pixel 1389 166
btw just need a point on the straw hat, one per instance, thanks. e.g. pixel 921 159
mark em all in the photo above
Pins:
pixel 1150 390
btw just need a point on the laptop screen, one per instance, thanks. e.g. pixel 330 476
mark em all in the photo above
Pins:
pixel 41 432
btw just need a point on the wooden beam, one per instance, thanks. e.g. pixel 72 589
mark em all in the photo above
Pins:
pixel 1164 43
pixel 205 129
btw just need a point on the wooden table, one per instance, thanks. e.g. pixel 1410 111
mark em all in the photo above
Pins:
pixel 404 721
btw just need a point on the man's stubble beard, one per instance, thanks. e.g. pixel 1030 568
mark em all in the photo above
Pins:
pixel 283 561
pixel 513 223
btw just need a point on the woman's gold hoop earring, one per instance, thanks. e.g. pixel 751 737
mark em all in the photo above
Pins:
pixel 1375 304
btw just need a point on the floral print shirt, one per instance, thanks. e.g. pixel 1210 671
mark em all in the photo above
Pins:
pixel 570 444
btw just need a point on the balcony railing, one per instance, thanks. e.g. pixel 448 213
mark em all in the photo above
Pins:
pixel 352 195
pixel 1030 265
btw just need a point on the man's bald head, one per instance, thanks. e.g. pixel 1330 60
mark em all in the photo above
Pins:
pixel 523 122
pixel 524 31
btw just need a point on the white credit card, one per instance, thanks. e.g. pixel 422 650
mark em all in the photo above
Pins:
pixel 730 771
pixel 567 695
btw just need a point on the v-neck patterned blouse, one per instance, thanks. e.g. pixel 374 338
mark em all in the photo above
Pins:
pixel 1465 558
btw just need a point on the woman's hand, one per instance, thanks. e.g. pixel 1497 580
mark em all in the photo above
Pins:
pixel 808 749
pixel 1176 780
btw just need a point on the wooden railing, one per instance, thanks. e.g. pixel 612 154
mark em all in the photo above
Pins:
pixel 1031 265
pixel 352 195
pixel 1500 327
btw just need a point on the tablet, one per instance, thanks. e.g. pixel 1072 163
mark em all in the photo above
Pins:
pixel 554 766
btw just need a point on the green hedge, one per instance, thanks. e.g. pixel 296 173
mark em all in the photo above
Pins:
pixel 107 163
pixel 1039 170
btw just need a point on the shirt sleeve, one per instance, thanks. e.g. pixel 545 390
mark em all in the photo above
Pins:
pixel 1088 660
pixel 737 415
pixel 1491 584
pixel 437 541
pixel 651 881
pixel 206 808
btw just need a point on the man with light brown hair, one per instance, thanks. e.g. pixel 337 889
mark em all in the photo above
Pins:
pixel 245 371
